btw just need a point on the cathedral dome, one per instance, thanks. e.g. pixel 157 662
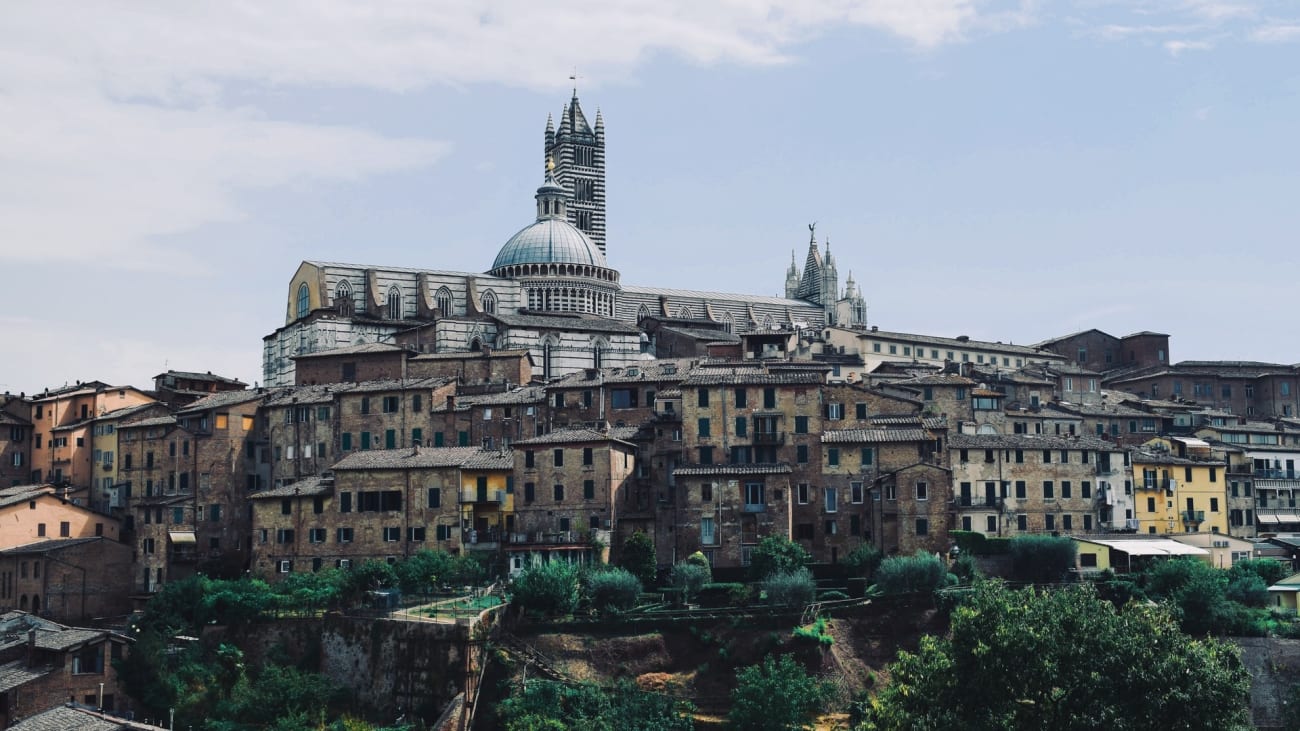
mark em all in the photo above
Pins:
pixel 549 240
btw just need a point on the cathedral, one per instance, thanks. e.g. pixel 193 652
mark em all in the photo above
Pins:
pixel 550 290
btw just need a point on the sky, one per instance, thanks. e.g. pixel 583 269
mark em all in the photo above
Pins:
pixel 1007 170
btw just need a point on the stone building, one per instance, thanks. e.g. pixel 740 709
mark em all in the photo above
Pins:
pixel 570 486
pixel 550 291
pixel 1007 485
pixel 1101 352
pixel 180 388
pixel 489 418
pixel 1246 388
pixel 44 665
pixel 15 440
pixel 68 579
pixel 1178 494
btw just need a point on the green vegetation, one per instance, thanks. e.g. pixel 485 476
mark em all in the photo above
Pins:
pixel 689 578
pixel 921 573
pixel 1042 559
pixel 776 695
pixel 817 633
pixel 978 544
pixel 790 588
pixel 613 589
pixel 638 557
pixel 544 705
pixel 547 588
pixel 862 561
pixel 775 554
pixel 1061 660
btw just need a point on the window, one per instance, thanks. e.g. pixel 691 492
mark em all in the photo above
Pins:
pixel 1085 490
pixel 316 535
pixel 741 398
pixel 922 491
pixel 284 535
pixel 392 534
pixel 742 426
pixel 833 456
pixel 922 527
pixel 529 459
pixel 65 528
pixel 1022 521
pixel 557 493
pixel 1021 491
pixel 588 489
pixel 867 456
pixel 1049 521
pixel 40 527
pixel 703 395
pixel 304 300
pixel 800 425
pixel 834 412
pixel 558 456
pixel 286 506
pixel 708 532
pixel 801 453
pixel 587 458
pixel 623 398
pixel 415 534
pixel 703 427
pixel 706 492
pixel 1065 489
pixel 390 404
pixel 1049 491
pixel 754 497
pixel 769 398
pixel 855 492
pixel 435 497
pixel 90 661
pixel 345 502
pixel 530 492
pixel 831 499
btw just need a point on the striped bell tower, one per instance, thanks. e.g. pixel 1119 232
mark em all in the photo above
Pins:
pixel 579 154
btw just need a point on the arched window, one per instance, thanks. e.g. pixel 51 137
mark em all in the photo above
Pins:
pixel 642 313
pixel 22 602
pixel 598 348
pixel 443 298
pixel 685 313
pixel 36 603
pixel 343 297
pixel 728 323
pixel 489 302
pixel 394 303
pixel 768 323
pixel 304 300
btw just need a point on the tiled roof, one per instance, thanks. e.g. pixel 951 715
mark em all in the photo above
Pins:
pixel 464 355
pixel 1101 410
pixel 9 419
pixel 515 396
pixel 128 411
pixel 723 296
pixel 209 376
pixel 52 544
pixel 68 638
pixel 1144 456
pixel 569 436
pixel 670 393
pixel 691 470
pixel 155 421
pixel 625 433
pixel 68 718
pixel 875 436
pixel 321 393
pixel 955 343
pixel 221 399
pixel 748 377
pixel 397 384
pixel 936 379
pixel 704 334
pixel 408 458
pixel 1029 441
pixel 650 371
pixel 17 673
pixel 361 349
pixel 490 460
pixel 23 493
pixel 925 422
pixel 306 487
pixel 562 322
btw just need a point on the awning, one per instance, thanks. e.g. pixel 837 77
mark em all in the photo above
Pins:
pixel 1278 517
pixel 180 537
pixel 1151 547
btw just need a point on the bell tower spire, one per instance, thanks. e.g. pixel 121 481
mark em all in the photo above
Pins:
pixel 578 151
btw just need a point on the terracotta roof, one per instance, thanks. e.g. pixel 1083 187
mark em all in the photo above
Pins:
pixel 875 436
pixel 954 343
pixel 221 399
pixel 936 379
pixel 397 384
pixel 155 421
pixel 1144 456
pixel 321 393
pixel 1030 441
pixel 52 544
pixel 490 460
pixel 17 673
pixel 747 377
pixel 209 376
pixel 690 470
pixel 407 458
pixel 515 396
pixel 569 436
pixel 306 487
pixel 66 718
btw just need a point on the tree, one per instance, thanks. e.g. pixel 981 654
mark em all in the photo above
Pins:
pixel 776 695
pixel 1042 559
pixel 776 553
pixel 1062 660
pixel 547 588
pixel 1198 594
pixel 923 572
pixel 638 557
pixel 689 577
pixel 862 561
pixel 613 588
pixel 790 588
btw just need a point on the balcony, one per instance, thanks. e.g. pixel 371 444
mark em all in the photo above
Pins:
pixel 1278 474
pixel 1193 516
pixel 755 508
pixel 976 503
pixel 482 495
pixel 769 437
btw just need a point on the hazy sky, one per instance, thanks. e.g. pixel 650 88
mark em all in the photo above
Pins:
pixel 1008 171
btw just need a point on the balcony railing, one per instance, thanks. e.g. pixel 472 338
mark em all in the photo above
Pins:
pixel 1193 516
pixel 475 495
pixel 1278 474
pixel 769 437
pixel 971 501
pixel 755 508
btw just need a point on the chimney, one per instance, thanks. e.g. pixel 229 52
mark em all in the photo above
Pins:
pixel 31 647
pixel 451 402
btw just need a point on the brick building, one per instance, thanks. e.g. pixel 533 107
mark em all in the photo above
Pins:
pixel 1247 388
pixel 180 388
pixel 44 665
pixel 15 440
pixel 68 579
pixel 62 419
pixel 1100 351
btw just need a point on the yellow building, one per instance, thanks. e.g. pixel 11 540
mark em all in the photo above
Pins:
pixel 1178 494
pixel 62 420
pixel 487 499
pixel 106 458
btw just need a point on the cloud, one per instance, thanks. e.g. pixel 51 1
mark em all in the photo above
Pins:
pixel 121 125
pixel 1276 33
pixel 1176 48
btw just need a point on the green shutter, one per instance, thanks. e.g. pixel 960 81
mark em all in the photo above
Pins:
pixel 347 441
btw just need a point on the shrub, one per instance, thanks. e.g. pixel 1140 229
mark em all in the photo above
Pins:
pixel 613 588
pixel 862 561
pixel 1248 589
pixel 832 596
pixel 547 588
pixel 724 594
pixel 638 557
pixel 816 633
pixel 689 578
pixel 777 695
pixel 698 558
pixel 966 569
pixel 790 588
pixel 923 572
pixel 1268 570
pixel 776 553
pixel 1042 559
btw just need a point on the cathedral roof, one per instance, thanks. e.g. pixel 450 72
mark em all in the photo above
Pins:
pixel 549 241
